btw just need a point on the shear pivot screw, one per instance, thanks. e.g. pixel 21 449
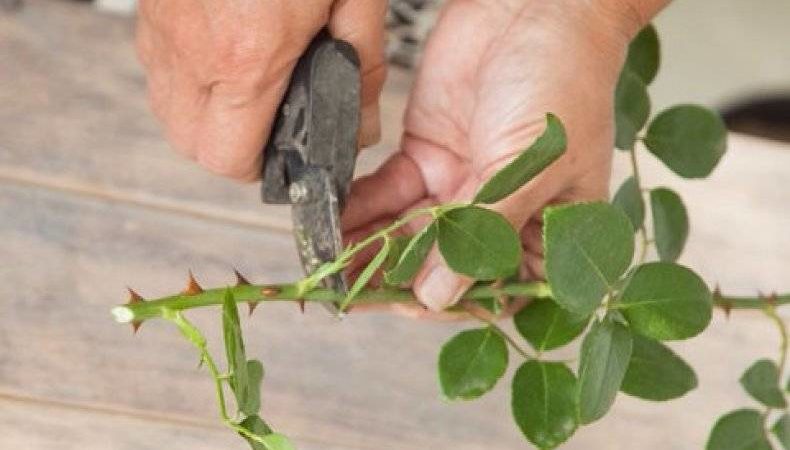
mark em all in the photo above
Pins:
pixel 298 192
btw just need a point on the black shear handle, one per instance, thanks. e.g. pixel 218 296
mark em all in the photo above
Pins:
pixel 317 123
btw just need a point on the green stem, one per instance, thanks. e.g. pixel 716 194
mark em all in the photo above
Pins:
pixel 196 338
pixel 642 230
pixel 491 323
pixel 745 302
pixel 329 268
pixel 770 310
pixel 143 310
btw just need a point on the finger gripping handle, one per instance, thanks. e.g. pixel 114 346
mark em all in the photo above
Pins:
pixel 318 121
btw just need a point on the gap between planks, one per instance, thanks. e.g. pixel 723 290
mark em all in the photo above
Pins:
pixel 196 210
pixel 159 418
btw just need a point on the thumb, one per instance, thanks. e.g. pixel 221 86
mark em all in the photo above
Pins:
pixel 437 286
pixel 361 23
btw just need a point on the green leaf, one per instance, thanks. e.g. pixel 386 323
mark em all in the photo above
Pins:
pixel 739 430
pixel 631 108
pixel 187 330
pixel 276 441
pixel 644 54
pixel 479 243
pixel 544 402
pixel 234 350
pixel 761 381
pixel 781 430
pixel 670 223
pixel 544 151
pixel 252 403
pixel 412 257
pixel 546 326
pixel 689 139
pixel 629 199
pixel 471 363
pixel 366 274
pixel 588 246
pixel 666 301
pixel 397 247
pixel 257 426
pixel 656 373
pixel 605 354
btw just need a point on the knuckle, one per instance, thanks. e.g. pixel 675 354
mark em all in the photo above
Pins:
pixel 225 166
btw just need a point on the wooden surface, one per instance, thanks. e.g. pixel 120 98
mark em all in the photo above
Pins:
pixel 91 200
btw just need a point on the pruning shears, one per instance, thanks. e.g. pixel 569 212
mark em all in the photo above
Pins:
pixel 311 153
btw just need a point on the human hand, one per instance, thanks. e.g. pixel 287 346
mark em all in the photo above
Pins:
pixel 217 70
pixel 492 70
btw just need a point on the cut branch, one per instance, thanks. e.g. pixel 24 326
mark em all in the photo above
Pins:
pixel 141 311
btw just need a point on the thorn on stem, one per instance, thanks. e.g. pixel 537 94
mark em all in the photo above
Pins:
pixel 252 305
pixel 136 326
pixel 240 280
pixel 193 288
pixel 301 305
pixel 134 297
pixel 716 293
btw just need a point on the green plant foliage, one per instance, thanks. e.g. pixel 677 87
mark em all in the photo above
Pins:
pixel 656 373
pixel 670 223
pixel 666 301
pixel 739 430
pixel 761 381
pixel 412 256
pixel 781 430
pixel 471 363
pixel 187 330
pixel 644 54
pixel 255 374
pixel 544 151
pixel 257 426
pixel 398 245
pixel 689 139
pixel 587 248
pixel 234 350
pixel 631 109
pixel 479 243
pixel 364 277
pixel 605 354
pixel 546 326
pixel 629 199
pixel 277 441
pixel 544 403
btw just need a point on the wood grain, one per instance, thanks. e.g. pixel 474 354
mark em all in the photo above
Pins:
pixel 368 381
pixel 91 200
pixel 74 103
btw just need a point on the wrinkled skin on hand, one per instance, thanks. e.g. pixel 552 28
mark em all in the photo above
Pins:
pixel 490 73
pixel 217 69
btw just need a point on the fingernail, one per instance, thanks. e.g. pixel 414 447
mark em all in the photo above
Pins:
pixel 440 288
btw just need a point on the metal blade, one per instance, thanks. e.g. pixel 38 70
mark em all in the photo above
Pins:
pixel 316 220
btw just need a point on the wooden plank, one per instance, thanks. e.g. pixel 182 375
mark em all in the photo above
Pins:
pixel 352 383
pixel 41 426
pixel 77 118
pixel 46 425
pixel 739 216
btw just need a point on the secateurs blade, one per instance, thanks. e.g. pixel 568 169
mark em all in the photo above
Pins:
pixel 311 153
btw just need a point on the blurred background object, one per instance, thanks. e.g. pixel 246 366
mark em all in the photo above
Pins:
pixel 93 200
